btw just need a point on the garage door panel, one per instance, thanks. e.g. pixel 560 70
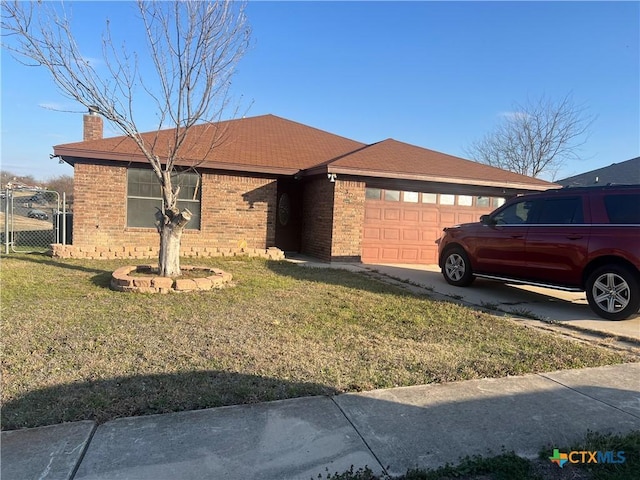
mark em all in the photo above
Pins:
pixel 430 234
pixel 371 233
pixel 411 235
pixel 372 213
pixel 411 215
pixel 406 232
pixel 370 252
pixel 391 234
pixel 410 254
pixel 430 216
pixel 427 254
pixel 466 218
pixel 447 218
pixel 390 254
pixel 390 214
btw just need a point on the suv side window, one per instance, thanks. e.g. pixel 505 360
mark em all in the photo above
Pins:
pixel 515 214
pixel 624 209
pixel 560 211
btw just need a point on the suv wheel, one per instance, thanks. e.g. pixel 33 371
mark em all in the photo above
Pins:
pixel 613 293
pixel 456 268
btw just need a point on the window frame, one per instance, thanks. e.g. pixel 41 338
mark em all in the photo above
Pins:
pixel 148 191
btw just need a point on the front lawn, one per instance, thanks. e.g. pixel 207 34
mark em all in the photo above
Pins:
pixel 73 349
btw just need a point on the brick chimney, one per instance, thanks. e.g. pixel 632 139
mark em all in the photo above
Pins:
pixel 92 124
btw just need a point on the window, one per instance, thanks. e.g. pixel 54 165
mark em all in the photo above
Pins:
pixel 624 209
pixel 514 214
pixel 373 193
pixel 429 198
pixel 446 199
pixel 483 201
pixel 392 195
pixel 410 197
pixel 498 202
pixel 465 200
pixel 144 197
pixel 560 211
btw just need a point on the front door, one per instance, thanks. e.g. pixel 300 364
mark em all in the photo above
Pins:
pixel 289 215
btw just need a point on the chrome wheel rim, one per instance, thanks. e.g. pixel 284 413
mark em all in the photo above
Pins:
pixel 611 292
pixel 455 267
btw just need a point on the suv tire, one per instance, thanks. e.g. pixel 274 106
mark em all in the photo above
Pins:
pixel 613 292
pixel 456 268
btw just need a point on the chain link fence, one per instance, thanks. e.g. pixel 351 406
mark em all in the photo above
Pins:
pixel 33 219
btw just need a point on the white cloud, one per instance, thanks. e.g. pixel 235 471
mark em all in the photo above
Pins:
pixel 513 115
pixel 60 107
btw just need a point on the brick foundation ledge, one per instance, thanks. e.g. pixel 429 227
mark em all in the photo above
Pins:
pixel 58 250
pixel 123 281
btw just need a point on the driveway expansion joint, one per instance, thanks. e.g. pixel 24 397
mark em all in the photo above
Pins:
pixel 355 429
pixel 545 376
pixel 84 451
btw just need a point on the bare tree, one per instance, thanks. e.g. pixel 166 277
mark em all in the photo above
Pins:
pixel 537 138
pixel 61 184
pixel 192 50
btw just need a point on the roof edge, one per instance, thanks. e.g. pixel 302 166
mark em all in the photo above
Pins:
pixel 440 179
pixel 234 167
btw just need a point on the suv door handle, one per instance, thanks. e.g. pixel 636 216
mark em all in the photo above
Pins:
pixel 515 235
pixel 574 236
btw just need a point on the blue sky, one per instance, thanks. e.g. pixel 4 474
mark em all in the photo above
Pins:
pixel 434 74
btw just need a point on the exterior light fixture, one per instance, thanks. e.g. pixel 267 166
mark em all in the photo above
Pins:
pixel 332 177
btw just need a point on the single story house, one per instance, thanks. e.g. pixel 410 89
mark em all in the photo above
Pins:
pixel 623 173
pixel 265 181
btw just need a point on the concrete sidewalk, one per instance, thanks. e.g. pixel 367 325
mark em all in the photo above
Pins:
pixel 387 430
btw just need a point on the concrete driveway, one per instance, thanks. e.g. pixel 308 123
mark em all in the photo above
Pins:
pixel 566 308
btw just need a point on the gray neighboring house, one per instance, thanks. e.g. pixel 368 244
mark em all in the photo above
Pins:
pixel 623 173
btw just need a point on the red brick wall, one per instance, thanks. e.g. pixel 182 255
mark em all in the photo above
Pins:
pixel 317 211
pixel 236 213
pixel 99 210
pixel 348 216
pixel 333 216
pixel 92 127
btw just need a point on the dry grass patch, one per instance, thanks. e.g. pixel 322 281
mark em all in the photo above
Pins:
pixel 73 349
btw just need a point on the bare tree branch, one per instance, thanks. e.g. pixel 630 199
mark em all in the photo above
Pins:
pixel 538 138
pixel 192 46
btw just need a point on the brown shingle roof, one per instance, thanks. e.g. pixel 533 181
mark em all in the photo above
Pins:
pixel 258 144
pixel 270 144
pixel 394 159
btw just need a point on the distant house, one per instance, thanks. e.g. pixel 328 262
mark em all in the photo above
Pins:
pixel 273 182
pixel 623 173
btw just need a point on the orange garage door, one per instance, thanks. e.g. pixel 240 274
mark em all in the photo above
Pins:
pixel 402 226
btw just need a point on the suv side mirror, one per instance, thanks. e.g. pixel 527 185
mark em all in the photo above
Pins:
pixel 487 220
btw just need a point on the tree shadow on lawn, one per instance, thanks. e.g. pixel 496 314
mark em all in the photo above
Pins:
pixel 43 259
pixel 102 279
pixel 104 400
pixel 338 277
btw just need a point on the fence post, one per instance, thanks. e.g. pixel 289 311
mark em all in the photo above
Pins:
pixel 6 221
pixel 64 218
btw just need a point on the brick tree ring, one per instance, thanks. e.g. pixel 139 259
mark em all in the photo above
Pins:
pixel 124 279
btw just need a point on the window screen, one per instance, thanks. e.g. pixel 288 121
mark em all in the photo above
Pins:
pixel 144 197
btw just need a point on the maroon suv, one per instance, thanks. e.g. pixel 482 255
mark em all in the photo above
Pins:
pixel 575 239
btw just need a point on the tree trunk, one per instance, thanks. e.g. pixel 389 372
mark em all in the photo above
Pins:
pixel 170 236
